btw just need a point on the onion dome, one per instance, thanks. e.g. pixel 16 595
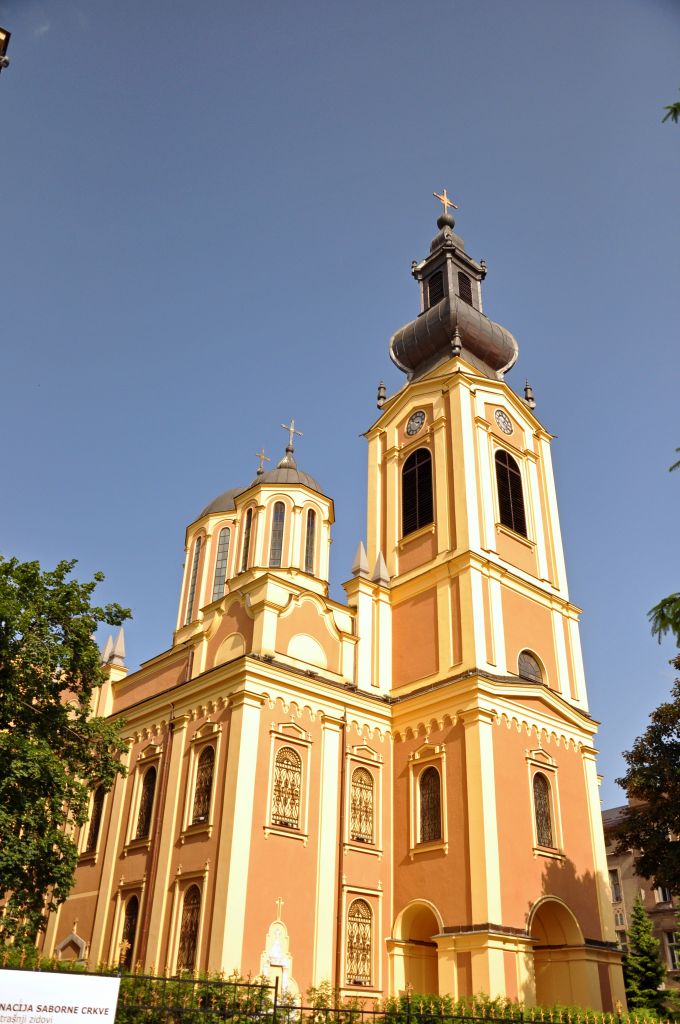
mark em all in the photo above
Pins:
pixel 287 472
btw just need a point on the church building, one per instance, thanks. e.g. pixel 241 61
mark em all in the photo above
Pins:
pixel 396 790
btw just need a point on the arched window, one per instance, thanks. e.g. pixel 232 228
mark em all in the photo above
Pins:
pixel 416 491
pixel 246 540
pixel 127 942
pixel 309 541
pixel 359 943
pixel 510 497
pixel 188 932
pixel 278 519
pixel 95 819
pixel 286 789
pixel 203 789
pixel 529 668
pixel 542 811
pixel 430 806
pixel 361 806
pixel 221 563
pixel 192 583
pixel 435 288
pixel 146 805
pixel 465 287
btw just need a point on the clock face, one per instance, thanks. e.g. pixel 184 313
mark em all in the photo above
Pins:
pixel 503 421
pixel 415 423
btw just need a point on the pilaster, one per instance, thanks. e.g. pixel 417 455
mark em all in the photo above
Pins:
pixel 110 849
pixel 485 889
pixel 327 861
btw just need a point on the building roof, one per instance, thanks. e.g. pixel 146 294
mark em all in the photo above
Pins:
pixel 287 472
pixel 613 817
pixel 224 502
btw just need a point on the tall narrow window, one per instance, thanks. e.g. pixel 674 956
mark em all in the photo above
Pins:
pixel 430 806
pixel 361 806
pixel 203 790
pixel 309 541
pixel 221 563
pixel 359 943
pixel 286 789
pixel 127 943
pixel 529 668
pixel 192 582
pixel 416 491
pixel 544 831
pixel 278 519
pixel 435 288
pixel 246 540
pixel 188 932
pixel 146 804
pixel 615 885
pixel 465 287
pixel 510 497
pixel 95 819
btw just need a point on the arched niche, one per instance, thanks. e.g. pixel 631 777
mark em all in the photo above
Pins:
pixel 233 646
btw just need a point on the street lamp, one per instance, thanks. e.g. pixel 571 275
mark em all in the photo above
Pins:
pixel 4 43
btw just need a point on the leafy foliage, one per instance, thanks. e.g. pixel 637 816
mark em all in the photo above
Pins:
pixel 672 113
pixel 52 752
pixel 643 970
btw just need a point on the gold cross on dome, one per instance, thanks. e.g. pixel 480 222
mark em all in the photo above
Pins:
pixel 444 200
pixel 263 458
pixel 279 905
pixel 290 427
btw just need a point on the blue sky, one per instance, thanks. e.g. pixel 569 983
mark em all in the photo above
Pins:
pixel 209 212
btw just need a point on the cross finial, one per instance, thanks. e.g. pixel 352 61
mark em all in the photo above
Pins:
pixel 263 458
pixel 279 905
pixel 444 200
pixel 290 427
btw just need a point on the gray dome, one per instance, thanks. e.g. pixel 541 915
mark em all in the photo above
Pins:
pixel 287 475
pixel 223 502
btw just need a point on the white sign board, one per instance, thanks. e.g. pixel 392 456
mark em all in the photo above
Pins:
pixel 49 997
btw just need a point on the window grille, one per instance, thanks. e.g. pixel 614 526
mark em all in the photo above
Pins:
pixel 221 563
pixel 286 790
pixel 309 541
pixel 203 790
pixel 615 885
pixel 192 584
pixel 416 491
pixel 435 288
pixel 529 668
pixel 673 947
pixel 361 806
pixel 465 287
pixel 276 548
pixel 359 941
pixel 510 497
pixel 544 831
pixel 95 819
pixel 188 932
pixel 146 805
pixel 430 806
pixel 246 540
pixel 127 944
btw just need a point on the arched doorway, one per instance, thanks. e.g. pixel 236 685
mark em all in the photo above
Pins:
pixel 560 971
pixel 413 949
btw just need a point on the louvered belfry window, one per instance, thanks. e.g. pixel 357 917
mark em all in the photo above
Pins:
pixel 465 287
pixel 95 819
pixel 544 832
pixel 417 508
pixel 430 806
pixel 510 497
pixel 278 519
pixel 192 582
pixel 246 540
pixel 435 288
pixel 146 805
pixel 127 943
pixel 203 790
pixel 188 932
pixel 361 806
pixel 286 789
pixel 359 943
pixel 221 563
pixel 529 668
pixel 309 541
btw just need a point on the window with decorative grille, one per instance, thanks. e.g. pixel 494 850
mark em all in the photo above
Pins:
pixel 465 287
pixel 95 819
pixel 361 806
pixel 359 943
pixel 146 805
pixel 221 563
pixel 192 582
pixel 203 790
pixel 286 788
pixel 429 785
pixel 309 541
pixel 188 932
pixel 276 548
pixel 417 507
pixel 529 668
pixel 246 540
pixel 510 497
pixel 435 288
pixel 127 942
pixel 542 811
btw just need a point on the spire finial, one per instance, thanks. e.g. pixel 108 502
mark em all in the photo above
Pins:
pixel 382 394
pixel 263 458
pixel 445 219
pixel 529 395
pixel 290 427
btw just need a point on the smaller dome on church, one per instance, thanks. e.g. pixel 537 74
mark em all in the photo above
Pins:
pixel 287 472
pixel 224 502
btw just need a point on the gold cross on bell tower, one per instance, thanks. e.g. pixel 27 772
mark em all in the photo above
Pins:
pixel 263 458
pixel 290 427
pixel 444 200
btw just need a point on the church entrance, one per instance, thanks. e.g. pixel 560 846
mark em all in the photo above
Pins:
pixel 414 950
pixel 560 969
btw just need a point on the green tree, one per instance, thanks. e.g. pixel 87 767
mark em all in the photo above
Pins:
pixel 672 113
pixel 643 970
pixel 52 751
